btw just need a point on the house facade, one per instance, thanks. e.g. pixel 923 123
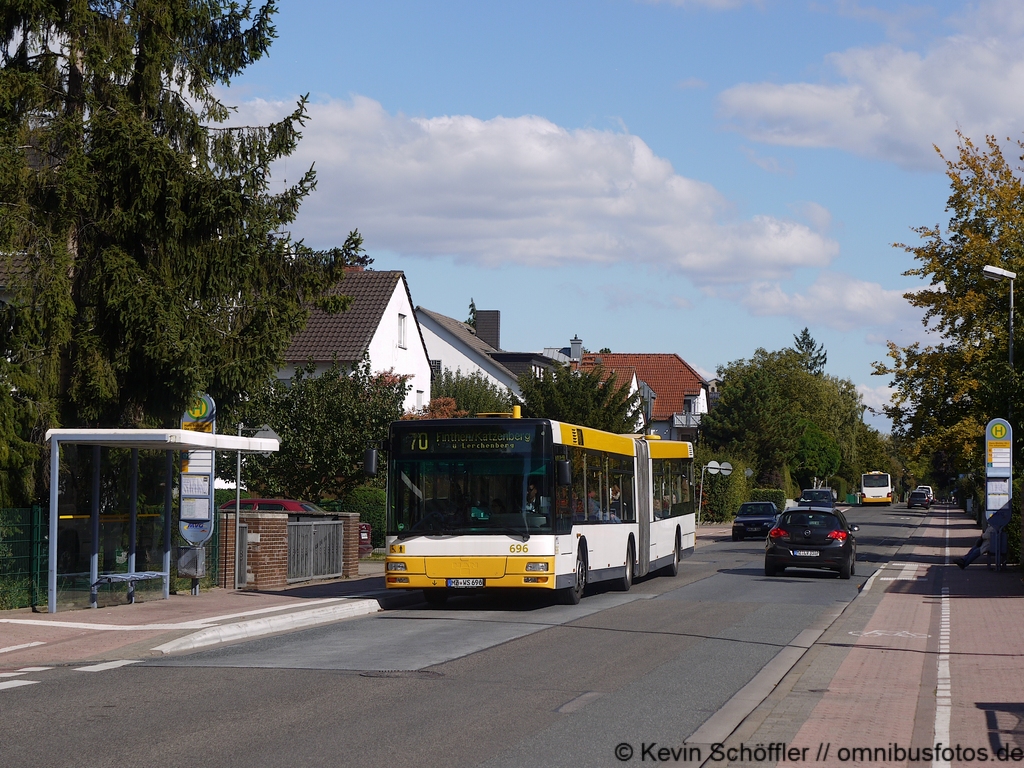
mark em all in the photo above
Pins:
pixel 380 323
pixel 459 347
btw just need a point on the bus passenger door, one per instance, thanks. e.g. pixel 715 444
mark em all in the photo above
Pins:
pixel 643 507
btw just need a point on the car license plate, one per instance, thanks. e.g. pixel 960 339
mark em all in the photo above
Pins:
pixel 805 553
pixel 465 582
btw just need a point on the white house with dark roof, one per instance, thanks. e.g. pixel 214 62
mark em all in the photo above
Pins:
pixel 456 346
pixel 380 322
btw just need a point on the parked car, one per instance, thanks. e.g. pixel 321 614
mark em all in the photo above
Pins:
pixel 918 498
pixel 816 497
pixel 811 537
pixel 754 518
pixel 290 506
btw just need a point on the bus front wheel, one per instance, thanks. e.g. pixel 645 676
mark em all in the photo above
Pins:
pixel 572 595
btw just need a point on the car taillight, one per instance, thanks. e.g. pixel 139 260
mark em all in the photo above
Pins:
pixel 837 535
pixel 778 534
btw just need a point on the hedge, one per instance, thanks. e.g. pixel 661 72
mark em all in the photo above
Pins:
pixel 370 504
pixel 776 496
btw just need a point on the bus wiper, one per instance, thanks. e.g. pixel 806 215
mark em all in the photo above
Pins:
pixel 512 532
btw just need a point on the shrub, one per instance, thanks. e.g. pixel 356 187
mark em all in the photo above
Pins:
pixel 370 504
pixel 776 496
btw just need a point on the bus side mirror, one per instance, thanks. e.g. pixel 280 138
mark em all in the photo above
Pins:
pixel 370 462
pixel 563 472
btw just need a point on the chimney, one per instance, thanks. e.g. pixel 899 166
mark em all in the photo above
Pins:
pixel 488 327
pixel 576 347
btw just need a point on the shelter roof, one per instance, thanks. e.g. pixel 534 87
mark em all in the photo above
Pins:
pixel 163 439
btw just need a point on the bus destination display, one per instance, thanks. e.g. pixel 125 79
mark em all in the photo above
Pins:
pixel 472 440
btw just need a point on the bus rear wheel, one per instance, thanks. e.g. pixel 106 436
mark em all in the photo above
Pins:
pixel 672 569
pixel 572 595
pixel 626 581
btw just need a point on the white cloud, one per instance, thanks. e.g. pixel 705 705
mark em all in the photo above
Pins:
pixel 875 398
pixel 834 300
pixel 524 190
pixel 894 104
pixel 818 215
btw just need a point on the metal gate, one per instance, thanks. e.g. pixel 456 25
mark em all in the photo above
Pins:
pixel 315 550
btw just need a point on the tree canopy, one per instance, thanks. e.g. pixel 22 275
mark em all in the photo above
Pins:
pixel 945 393
pixel 784 417
pixel 325 421
pixel 586 398
pixel 473 393
pixel 145 254
pixel 812 354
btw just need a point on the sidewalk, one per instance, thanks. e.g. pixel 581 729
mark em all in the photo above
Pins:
pixel 927 654
pixel 184 622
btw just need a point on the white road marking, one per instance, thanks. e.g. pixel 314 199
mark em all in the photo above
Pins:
pixel 108 665
pixel 16 683
pixel 943 687
pixel 10 648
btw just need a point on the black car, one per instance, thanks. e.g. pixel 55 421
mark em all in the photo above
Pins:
pixel 811 537
pixel 918 499
pixel 816 497
pixel 754 518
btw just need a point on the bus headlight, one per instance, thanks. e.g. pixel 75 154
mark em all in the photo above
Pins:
pixel 536 566
pixel 396 566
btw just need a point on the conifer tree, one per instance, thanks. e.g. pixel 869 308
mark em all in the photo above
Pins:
pixel 144 254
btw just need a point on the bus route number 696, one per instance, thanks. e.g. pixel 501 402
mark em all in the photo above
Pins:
pixel 518 548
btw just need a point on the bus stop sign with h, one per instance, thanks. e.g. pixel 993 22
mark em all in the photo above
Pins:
pixel 998 474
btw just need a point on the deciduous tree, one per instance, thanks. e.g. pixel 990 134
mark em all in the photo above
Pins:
pixel 946 392
pixel 325 421
pixel 586 398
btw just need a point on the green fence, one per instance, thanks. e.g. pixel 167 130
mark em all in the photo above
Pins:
pixel 24 551
pixel 23 557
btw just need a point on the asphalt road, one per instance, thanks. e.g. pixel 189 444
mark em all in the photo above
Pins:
pixel 484 681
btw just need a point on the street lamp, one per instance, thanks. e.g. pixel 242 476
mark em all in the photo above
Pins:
pixel 997 273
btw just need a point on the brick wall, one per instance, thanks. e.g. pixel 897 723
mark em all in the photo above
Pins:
pixel 267 554
pixel 350 563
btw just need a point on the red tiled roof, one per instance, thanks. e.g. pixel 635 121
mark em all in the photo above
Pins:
pixel 671 378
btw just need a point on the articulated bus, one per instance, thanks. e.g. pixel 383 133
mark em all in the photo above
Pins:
pixel 875 488
pixel 494 503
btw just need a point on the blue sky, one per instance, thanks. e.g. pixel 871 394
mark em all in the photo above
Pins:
pixel 703 177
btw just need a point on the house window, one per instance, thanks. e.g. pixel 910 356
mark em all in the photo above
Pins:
pixel 419 399
pixel 401 331
pixel 435 369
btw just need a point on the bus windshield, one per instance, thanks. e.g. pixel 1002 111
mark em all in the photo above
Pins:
pixel 478 480
pixel 875 481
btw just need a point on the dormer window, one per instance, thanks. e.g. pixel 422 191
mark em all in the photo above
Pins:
pixel 401 330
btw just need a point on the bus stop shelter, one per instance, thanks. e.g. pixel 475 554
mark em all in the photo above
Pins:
pixel 169 440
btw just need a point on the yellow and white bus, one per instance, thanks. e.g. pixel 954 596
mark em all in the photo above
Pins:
pixel 532 504
pixel 875 488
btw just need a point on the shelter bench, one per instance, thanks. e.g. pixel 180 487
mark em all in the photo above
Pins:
pixel 122 578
